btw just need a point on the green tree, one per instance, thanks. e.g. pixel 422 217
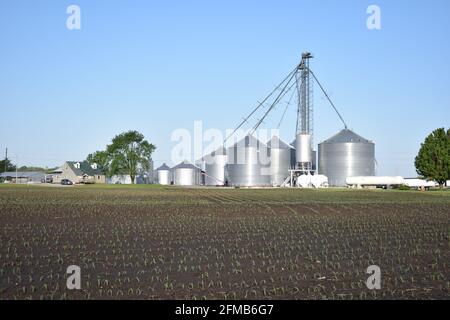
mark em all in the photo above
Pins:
pixel 6 166
pixel 128 153
pixel 433 160
pixel 103 160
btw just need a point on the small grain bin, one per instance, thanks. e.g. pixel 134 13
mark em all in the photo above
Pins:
pixel 164 175
pixel 186 174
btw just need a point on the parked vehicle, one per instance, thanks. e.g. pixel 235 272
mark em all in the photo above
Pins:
pixel 66 182
pixel 47 180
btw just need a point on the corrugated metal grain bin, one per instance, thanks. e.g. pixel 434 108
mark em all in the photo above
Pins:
pixel 186 174
pixel 346 154
pixel 248 163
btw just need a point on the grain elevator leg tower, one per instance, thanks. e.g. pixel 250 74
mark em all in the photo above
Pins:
pixel 304 163
pixel 304 129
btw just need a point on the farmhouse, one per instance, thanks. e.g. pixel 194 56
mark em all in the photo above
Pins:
pixel 79 172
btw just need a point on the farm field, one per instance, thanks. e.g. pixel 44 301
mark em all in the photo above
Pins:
pixel 153 242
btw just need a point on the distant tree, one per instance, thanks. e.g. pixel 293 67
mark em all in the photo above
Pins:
pixel 32 168
pixel 433 160
pixel 129 152
pixel 6 166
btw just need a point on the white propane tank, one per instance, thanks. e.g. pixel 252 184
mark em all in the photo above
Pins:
pixel 419 183
pixel 374 181
pixel 312 181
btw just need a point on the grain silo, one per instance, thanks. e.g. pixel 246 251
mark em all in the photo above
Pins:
pixel 281 160
pixel 346 154
pixel 164 175
pixel 294 152
pixel 215 164
pixel 186 174
pixel 248 163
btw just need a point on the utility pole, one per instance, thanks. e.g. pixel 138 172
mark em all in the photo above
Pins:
pixel 6 159
pixel 17 164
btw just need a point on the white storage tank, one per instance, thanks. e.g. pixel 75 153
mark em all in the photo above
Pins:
pixel 312 181
pixel 294 155
pixel 346 154
pixel 420 183
pixel 186 174
pixel 164 175
pixel 303 148
pixel 374 181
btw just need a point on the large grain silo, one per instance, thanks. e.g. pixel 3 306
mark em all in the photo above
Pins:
pixel 346 154
pixel 281 160
pixel 248 163
pixel 164 175
pixel 215 164
pixel 186 174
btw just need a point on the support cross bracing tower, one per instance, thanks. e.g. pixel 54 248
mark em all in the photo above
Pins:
pixel 305 99
pixel 304 129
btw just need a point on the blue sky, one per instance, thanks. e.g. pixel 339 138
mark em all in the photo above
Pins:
pixel 155 66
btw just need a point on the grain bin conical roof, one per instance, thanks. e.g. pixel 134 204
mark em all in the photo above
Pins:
pixel 346 136
pixel 249 141
pixel 185 165
pixel 163 167
pixel 277 143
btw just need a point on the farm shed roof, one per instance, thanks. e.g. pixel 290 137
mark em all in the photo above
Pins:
pixel 85 168
pixel 23 174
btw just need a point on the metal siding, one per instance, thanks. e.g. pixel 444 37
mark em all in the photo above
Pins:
pixel 303 148
pixel 338 161
pixel 164 177
pixel 280 163
pixel 215 170
pixel 248 166
pixel 186 177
